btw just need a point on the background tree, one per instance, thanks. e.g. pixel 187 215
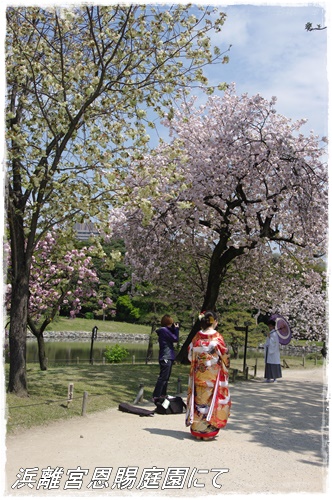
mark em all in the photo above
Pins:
pixel 79 82
pixel 111 272
pixel 60 275
pixel 280 283
pixel 237 315
pixel 244 179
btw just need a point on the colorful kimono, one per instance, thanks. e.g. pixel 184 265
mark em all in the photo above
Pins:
pixel 208 402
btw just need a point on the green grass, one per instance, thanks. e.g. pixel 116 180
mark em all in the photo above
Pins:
pixel 106 385
pixel 62 324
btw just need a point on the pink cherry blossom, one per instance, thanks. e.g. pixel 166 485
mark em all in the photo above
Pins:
pixel 238 183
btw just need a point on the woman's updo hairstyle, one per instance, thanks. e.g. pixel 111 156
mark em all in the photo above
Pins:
pixel 207 319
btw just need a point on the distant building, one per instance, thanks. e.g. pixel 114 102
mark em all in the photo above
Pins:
pixel 85 231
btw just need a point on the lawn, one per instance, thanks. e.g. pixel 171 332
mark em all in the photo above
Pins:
pixel 106 384
pixel 62 324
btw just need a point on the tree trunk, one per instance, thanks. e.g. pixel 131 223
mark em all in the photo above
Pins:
pixel 149 352
pixel 182 355
pixel 39 334
pixel 235 348
pixel 221 257
pixel 17 335
pixel 209 303
pixel 21 252
pixel 41 352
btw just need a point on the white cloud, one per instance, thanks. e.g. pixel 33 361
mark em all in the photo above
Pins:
pixel 272 54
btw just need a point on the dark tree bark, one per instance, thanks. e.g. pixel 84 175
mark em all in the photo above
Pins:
pixel 17 338
pixel 149 352
pixel 18 313
pixel 39 334
pixel 221 257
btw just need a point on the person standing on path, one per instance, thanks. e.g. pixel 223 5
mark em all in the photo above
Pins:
pixel 168 334
pixel 272 354
pixel 208 401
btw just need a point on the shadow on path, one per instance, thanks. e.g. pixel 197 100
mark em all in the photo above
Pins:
pixel 286 416
pixel 181 435
pixel 289 416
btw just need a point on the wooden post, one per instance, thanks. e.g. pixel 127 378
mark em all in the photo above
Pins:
pixel 133 359
pixel 247 372
pixel 303 359
pixel 139 397
pixel 234 374
pixel 93 337
pixel 255 368
pixel 85 402
pixel 78 360
pixel 70 393
pixel 179 389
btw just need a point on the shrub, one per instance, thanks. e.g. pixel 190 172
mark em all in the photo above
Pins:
pixel 116 353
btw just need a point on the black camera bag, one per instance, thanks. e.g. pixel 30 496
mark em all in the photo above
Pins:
pixel 169 405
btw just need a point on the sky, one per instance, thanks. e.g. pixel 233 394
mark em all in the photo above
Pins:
pixel 272 54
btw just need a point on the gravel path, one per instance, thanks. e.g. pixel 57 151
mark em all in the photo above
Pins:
pixel 275 442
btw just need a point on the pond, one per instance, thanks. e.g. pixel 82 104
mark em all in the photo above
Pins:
pixel 63 352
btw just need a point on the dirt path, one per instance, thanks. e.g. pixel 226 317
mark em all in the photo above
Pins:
pixel 275 442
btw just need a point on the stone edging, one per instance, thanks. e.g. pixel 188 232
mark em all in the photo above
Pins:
pixel 86 336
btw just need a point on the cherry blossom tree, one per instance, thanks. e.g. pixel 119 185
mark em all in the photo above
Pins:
pixel 280 283
pixel 60 275
pixel 80 80
pixel 243 179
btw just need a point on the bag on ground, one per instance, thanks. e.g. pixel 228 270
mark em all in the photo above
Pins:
pixel 169 405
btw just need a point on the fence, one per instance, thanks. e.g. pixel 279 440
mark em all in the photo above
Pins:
pixel 80 360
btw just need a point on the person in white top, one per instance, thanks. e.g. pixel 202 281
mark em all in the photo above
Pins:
pixel 272 354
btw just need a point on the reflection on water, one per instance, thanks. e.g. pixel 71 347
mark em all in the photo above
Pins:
pixel 66 352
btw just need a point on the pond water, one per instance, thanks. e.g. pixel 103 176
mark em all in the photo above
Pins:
pixel 76 352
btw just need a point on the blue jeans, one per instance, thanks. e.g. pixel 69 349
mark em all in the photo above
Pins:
pixel 164 375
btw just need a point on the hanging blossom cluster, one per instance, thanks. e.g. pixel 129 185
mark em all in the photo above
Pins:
pixel 277 283
pixel 59 277
pixel 236 178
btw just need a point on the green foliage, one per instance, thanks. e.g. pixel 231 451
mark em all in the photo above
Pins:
pixel 125 310
pixel 233 316
pixel 116 353
pixel 89 315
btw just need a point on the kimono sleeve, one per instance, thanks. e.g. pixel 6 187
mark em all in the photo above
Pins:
pixel 190 352
pixel 222 347
pixel 274 342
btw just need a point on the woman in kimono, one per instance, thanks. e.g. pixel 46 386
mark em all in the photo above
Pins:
pixel 272 354
pixel 208 402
